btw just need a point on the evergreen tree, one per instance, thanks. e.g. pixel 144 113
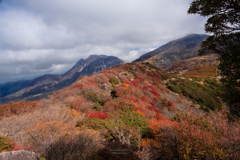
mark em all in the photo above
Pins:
pixel 224 23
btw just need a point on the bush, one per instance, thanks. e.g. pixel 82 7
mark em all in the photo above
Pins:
pixel 114 80
pixel 134 120
pixel 138 95
pixel 95 123
pixel 98 114
pixel 5 144
pixel 98 107
pixel 120 104
pixel 73 147
pixel 93 97
pixel 175 88
pixel 131 71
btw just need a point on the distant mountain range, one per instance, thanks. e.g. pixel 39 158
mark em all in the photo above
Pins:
pixel 180 49
pixel 40 86
pixel 163 57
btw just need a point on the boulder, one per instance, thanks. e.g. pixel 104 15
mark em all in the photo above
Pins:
pixel 18 155
pixel 105 87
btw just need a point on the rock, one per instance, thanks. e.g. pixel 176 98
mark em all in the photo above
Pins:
pixel 18 155
pixel 105 87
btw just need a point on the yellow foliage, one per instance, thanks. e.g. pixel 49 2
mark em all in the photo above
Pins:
pixel 125 85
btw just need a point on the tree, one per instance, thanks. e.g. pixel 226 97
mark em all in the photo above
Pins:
pixel 224 23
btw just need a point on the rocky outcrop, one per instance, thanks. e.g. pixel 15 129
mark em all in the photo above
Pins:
pixel 18 155
pixel 105 87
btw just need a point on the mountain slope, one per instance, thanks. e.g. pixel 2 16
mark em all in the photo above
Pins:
pixel 42 85
pixel 182 48
pixel 129 110
pixel 11 87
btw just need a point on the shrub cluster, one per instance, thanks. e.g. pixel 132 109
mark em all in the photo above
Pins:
pixel 98 114
pixel 114 80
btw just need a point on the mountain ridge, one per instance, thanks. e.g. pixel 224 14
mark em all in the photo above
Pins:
pixel 51 82
pixel 182 48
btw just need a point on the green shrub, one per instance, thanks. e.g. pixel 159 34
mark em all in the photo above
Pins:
pixel 5 144
pixel 131 71
pixel 139 96
pixel 163 77
pixel 134 120
pixel 114 80
pixel 94 97
pixel 125 92
pixel 198 79
pixel 175 89
pixel 98 107
pixel 185 91
pixel 173 82
pixel 94 123
pixel 206 109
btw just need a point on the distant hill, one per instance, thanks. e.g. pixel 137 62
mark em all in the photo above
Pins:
pixel 180 49
pixel 40 86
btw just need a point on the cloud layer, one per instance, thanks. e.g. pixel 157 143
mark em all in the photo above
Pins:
pixel 39 37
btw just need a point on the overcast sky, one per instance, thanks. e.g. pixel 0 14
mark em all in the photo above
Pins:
pixel 50 36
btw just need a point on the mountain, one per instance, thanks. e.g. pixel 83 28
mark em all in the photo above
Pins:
pixel 180 49
pixel 11 87
pixel 133 111
pixel 43 85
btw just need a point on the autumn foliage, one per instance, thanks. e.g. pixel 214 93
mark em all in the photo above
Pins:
pixel 98 114
pixel 17 108
pixel 129 106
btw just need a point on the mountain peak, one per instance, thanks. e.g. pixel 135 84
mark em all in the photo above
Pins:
pixel 179 48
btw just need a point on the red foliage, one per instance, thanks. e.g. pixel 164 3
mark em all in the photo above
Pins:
pixel 169 103
pixel 185 67
pixel 158 116
pixel 143 70
pixel 105 71
pixel 145 99
pixel 91 84
pixel 155 93
pixel 126 67
pixel 80 105
pixel 151 89
pixel 78 86
pixel 154 75
pixel 165 103
pixel 132 98
pixel 16 147
pixel 154 108
pixel 140 108
pixel 132 83
pixel 98 114
pixel 139 78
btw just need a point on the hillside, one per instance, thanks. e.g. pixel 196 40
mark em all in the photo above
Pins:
pixel 180 49
pixel 127 112
pixel 12 87
pixel 197 68
pixel 41 86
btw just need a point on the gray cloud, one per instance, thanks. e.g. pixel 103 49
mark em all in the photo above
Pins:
pixel 39 37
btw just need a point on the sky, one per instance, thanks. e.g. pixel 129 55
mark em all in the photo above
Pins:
pixel 49 36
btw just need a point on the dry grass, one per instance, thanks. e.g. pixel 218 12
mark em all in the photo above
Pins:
pixel 31 126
